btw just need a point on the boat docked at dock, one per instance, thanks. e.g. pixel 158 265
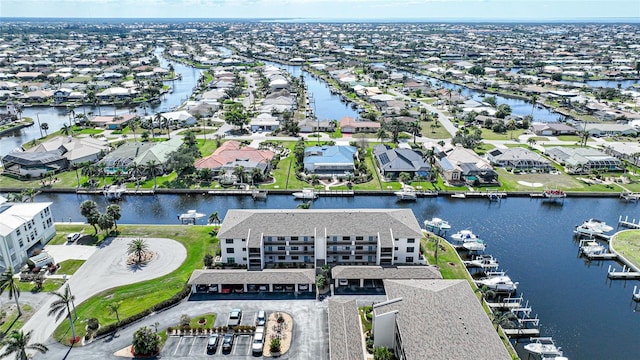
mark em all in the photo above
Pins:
pixel 544 346
pixel 591 248
pixel 475 245
pixel 553 194
pixel 464 236
pixel 407 193
pixel 306 194
pixel 114 192
pixel 436 224
pixel 190 217
pixel 498 282
pixel 482 261
pixel 593 227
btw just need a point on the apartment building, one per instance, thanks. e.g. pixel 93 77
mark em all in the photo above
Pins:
pixel 263 239
pixel 22 227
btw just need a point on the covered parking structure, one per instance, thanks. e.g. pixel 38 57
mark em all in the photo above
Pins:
pixel 371 277
pixel 243 281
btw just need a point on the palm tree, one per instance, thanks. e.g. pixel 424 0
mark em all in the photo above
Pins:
pixel 531 141
pixel 8 283
pixel 102 171
pixel 415 129
pixel 381 134
pixel 138 247
pixel 113 308
pixel 485 292
pixel 214 218
pixel 238 171
pixel 534 99
pixel 154 169
pixel 113 210
pixel 90 170
pixel 45 127
pixel 66 130
pixel 157 119
pixel 18 342
pixel 436 247
pixel 505 319
pixel 133 125
pixel 63 302
pixel 29 194
pixel 305 205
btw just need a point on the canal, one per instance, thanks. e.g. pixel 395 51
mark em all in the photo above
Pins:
pixel 590 317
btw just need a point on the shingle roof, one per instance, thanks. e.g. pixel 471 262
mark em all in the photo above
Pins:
pixel 243 276
pixel 384 223
pixel 345 339
pixel 441 319
pixel 379 272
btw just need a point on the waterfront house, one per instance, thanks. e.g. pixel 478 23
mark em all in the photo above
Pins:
pixel 117 122
pixel 330 161
pixel 26 164
pixel 159 152
pixel 583 160
pixel 603 130
pixel 310 125
pixel 552 129
pixel 121 157
pixel 75 150
pixel 179 118
pixel 463 166
pixel 232 154
pixel 393 162
pixel 23 227
pixel 518 158
pixel 349 125
pixel 117 93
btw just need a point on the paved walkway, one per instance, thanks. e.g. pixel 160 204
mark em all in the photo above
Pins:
pixel 104 269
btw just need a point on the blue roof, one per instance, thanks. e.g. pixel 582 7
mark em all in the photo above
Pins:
pixel 329 154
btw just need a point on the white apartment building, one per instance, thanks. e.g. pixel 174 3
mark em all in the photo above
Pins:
pixel 263 239
pixel 22 226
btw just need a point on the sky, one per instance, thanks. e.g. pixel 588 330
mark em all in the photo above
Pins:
pixel 532 10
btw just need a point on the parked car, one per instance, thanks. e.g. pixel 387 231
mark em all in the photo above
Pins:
pixel 303 287
pixel 212 344
pixel 73 237
pixel 258 341
pixel 261 319
pixel 227 342
pixel 234 317
pixel 343 282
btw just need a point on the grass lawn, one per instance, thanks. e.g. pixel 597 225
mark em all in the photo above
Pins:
pixel 206 147
pixel 61 236
pixel 9 321
pixel 488 134
pixel 70 266
pixel 366 323
pixel 435 132
pixel 483 148
pixel 627 243
pixel 209 317
pixel 569 138
pixel 48 286
pixel 135 298
pixel 561 181
pixel 66 179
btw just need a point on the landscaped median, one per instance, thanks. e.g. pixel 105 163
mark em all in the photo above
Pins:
pixel 137 300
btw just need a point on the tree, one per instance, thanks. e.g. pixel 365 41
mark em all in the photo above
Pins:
pixel 18 342
pixel 208 260
pixel 158 120
pixel 138 247
pixel 415 129
pixel 503 111
pixel 154 169
pixel 45 127
pixel 145 341
pixel 436 248
pixel 113 308
pixel 114 211
pixel 105 222
pixel 485 292
pixel 89 209
pixel 395 127
pixel 214 218
pixel 383 353
pixel 133 125
pixel 63 301
pixel 531 141
pixel 321 281
pixel 235 115
pixel 9 284
pixel 66 130
pixel 274 345
pixel 491 100
pixel 476 70
pixel 381 134
pixel 238 172
pixel 405 177
pixel 556 77
pixel 505 319
pixel 534 99
pixel 305 205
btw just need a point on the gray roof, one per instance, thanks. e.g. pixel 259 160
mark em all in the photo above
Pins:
pixel 27 158
pixel 399 159
pixel 243 276
pixel 345 334
pixel 384 223
pixel 441 319
pixel 379 272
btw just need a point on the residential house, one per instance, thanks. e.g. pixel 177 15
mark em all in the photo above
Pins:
pixel 26 164
pixel 264 122
pixel 121 157
pixel 349 125
pixel 518 158
pixel 583 160
pixel 75 150
pixel 118 93
pixel 117 122
pixel 329 161
pixel 23 227
pixel 180 118
pixel 310 125
pixel 624 150
pixel 232 154
pixel 552 129
pixel 603 130
pixel 393 162
pixel 159 152
pixel 463 166
pixel 261 239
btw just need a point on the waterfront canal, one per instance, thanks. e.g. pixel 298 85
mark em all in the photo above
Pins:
pixel 590 317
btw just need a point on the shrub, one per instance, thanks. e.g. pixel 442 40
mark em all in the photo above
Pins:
pixel 274 345
pixel 145 341
pixel 93 324
pixel 185 320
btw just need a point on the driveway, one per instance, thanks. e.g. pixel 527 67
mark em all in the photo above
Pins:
pixel 310 331
pixel 105 269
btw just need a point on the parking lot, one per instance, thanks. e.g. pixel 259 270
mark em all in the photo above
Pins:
pixel 308 340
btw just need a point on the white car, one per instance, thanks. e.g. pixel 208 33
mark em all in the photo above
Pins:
pixel 258 340
pixel 73 237
pixel 343 282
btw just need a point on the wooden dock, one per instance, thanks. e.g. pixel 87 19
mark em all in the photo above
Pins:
pixel 521 333
pixel 335 193
pixel 607 256
pixel 625 274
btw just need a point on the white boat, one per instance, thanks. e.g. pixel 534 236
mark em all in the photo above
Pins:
pixel 191 216
pixel 586 230
pixel 598 224
pixel 544 346
pixel 482 261
pixel 499 283
pixel 406 194
pixel 114 192
pixel 464 236
pixel 476 245
pixel 436 224
pixel 258 194
pixel 459 196
pixel 306 194
pixel 592 248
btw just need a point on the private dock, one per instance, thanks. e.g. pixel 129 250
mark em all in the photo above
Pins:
pixel 507 303
pixel 606 256
pixel 625 274
pixel 521 333
pixel 630 196
pixel 628 224
pixel 335 193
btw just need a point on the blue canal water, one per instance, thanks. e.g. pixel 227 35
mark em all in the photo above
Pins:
pixel 589 316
